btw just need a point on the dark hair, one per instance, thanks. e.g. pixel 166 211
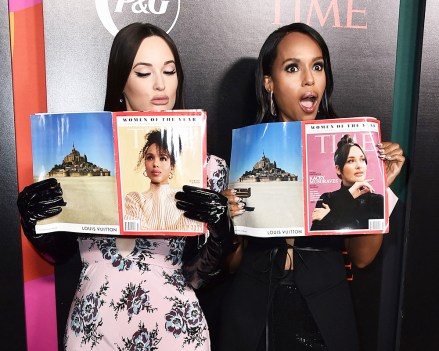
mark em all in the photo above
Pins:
pixel 266 58
pixel 126 43
pixel 342 152
pixel 165 142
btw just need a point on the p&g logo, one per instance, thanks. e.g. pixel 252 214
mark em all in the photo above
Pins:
pixel 138 10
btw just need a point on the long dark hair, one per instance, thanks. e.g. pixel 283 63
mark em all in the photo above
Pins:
pixel 126 43
pixel 266 58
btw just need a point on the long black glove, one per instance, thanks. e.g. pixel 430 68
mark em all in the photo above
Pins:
pixel 210 207
pixel 42 200
pixel 204 205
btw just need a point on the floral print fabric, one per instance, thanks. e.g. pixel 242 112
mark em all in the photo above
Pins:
pixel 140 300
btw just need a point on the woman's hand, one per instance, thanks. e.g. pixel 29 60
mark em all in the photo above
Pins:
pixel 207 206
pixel 393 156
pixel 360 188
pixel 42 200
pixel 236 206
pixel 319 213
pixel 38 201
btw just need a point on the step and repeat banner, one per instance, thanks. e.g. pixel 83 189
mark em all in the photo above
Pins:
pixel 219 42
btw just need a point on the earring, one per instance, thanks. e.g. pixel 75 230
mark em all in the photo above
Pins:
pixel 144 174
pixel 171 175
pixel 272 107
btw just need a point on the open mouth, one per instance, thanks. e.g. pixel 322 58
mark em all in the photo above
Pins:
pixel 308 102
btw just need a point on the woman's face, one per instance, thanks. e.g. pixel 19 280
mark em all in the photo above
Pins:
pixel 157 165
pixel 298 78
pixel 152 83
pixel 354 170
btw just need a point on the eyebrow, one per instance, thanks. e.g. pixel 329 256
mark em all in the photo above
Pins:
pixel 164 153
pixel 294 59
pixel 362 155
pixel 150 65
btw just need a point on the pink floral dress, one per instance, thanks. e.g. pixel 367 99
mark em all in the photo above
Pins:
pixel 140 300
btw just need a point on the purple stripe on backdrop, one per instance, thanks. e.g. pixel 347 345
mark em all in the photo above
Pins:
pixel 39 337
pixel 17 5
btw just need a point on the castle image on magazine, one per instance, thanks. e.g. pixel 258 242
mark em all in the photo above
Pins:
pixel 266 171
pixel 75 165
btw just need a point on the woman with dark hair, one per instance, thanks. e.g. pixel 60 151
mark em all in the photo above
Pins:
pixel 267 107
pixel 292 293
pixel 155 209
pixel 126 46
pixel 137 292
pixel 355 203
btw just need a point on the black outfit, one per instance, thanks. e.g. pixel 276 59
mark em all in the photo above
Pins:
pixel 347 212
pixel 308 309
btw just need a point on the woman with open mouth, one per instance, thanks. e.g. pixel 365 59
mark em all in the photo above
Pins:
pixel 292 293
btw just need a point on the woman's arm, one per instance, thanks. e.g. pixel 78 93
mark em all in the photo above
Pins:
pixel 39 201
pixel 363 248
pixel 208 206
pixel 55 247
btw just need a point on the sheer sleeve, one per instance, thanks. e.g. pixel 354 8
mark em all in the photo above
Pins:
pixel 202 262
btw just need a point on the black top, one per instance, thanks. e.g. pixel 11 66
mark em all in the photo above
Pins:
pixel 320 277
pixel 347 212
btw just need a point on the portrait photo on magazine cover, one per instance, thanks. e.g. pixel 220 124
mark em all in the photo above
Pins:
pixel 154 163
pixel 346 182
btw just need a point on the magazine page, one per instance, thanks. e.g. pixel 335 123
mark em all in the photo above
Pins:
pixel 156 154
pixel 266 170
pixel 344 177
pixel 77 149
pixel 281 171
pixel 98 159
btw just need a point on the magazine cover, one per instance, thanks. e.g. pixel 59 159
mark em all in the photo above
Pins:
pixel 285 174
pixel 156 154
pixel 77 149
pixel 345 179
pixel 111 169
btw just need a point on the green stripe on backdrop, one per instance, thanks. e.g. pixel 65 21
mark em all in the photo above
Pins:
pixel 406 89
pixel 404 119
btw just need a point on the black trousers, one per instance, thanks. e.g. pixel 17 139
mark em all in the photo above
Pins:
pixel 290 325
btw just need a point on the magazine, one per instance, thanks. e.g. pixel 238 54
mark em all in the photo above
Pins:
pixel 286 174
pixel 120 171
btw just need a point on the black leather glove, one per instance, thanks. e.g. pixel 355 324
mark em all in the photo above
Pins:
pixel 207 206
pixel 42 200
pixel 210 207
